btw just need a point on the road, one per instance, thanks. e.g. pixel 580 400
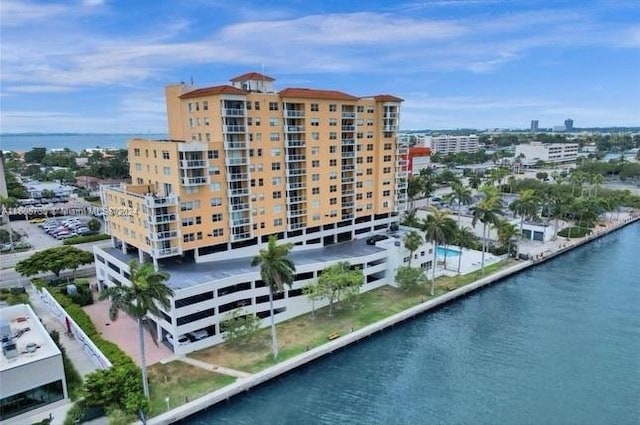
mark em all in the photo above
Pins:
pixel 10 278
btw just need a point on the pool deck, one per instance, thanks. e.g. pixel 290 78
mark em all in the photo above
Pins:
pixel 560 246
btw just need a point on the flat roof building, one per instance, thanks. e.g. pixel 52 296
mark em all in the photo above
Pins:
pixel 243 161
pixel 547 152
pixel 31 369
pixel 445 144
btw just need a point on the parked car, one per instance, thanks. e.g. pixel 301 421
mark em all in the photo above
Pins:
pixel 376 238
pixel 182 340
pixel 82 230
pixel 198 335
pixel 37 220
pixel 66 235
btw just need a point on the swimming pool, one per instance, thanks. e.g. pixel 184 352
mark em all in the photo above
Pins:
pixel 440 251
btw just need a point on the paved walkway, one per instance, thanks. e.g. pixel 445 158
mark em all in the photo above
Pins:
pixel 212 367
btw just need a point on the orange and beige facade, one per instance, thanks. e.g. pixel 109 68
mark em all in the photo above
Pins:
pixel 243 161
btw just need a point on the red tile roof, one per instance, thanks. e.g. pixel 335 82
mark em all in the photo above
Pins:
pixel 387 98
pixel 252 76
pixel 207 91
pixel 315 94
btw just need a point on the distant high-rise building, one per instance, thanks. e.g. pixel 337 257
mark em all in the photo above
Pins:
pixel 568 124
pixel 534 126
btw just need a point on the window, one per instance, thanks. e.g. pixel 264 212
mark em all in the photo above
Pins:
pixel 188 206
pixel 315 122
pixel 315 150
pixel 165 155
pixel 370 110
pixel 332 149
pixel 214 171
pixel 315 191
pixel 369 171
pixel 188 237
pixel 188 221
pixel 273 106
pixel 315 163
pixel 257 122
pixel 218 232
pixel 333 188
pixel 333 107
pixel 360 109
pixel 315 135
pixel 388 146
pixel 369 123
pixel 386 158
pixel 370 147
pixel 277 209
pixel 315 203
pixel 277 222
pixel 216 202
pixel 275 152
pixel 274 137
pixel 275 166
pixel 138 166
pixel 333 135
pixel 314 107
pixel 386 170
pixel 274 122
pixel 315 177
pixel 369 160
pixel 333 163
pixel 212 154
pixel 205 105
pixel 256 106
pixel 386 193
pixel 333 175
pixel 215 187
pixel 276 181
pixel 136 152
pixel 216 217
pixel 166 171
pixel 277 194
pixel 333 122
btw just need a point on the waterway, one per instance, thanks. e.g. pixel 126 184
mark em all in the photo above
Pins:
pixel 556 344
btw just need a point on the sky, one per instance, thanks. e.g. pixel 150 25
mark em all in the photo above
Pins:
pixel 101 65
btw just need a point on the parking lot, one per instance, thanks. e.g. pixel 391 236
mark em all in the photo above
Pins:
pixel 34 234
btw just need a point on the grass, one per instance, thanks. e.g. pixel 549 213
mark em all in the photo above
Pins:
pixel 181 382
pixel 305 332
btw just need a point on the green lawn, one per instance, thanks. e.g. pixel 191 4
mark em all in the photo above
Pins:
pixel 305 332
pixel 181 382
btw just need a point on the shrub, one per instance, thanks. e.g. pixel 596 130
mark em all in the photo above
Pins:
pixel 91 198
pixel 74 380
pixel 86 238
pixel 574 232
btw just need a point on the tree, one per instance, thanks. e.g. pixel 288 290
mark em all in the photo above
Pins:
pixel 464 238
pixel 414 188
pixel 118 387
pixel 94 225
pixel 506 233
pixel 35 155
pixel 312 291
pixel 411 278
pixel 143 296
pixel 542 176
pixel 526 206
pixel 276 270
pixel 462 196
pixel 239 326
pixel 54 260
pixel 487 212
pixel 475 181
pixel 337 279
pixel 436 227
pixel 412 241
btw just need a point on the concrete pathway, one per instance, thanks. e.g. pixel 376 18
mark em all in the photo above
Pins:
pixel 213 368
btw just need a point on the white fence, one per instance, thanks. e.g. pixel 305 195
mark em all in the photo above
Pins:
pixel 94 353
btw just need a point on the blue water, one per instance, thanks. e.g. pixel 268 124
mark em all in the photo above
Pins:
pixel 556 344
pixel 77 142
pixel 440 251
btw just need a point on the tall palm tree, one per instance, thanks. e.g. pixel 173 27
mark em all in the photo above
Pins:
pixel 475 181
pixel 464 238
pixel 146 293
pixel 437 226
pixel 412 241
pixel 526 206
pixel 462 196
pixel 487 212
pixel 276 271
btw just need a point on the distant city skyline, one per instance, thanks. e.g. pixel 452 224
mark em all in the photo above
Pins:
pixel 101 66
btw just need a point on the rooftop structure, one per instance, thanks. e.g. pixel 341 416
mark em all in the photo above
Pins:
pixel 31 369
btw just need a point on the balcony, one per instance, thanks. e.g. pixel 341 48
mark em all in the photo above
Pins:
pixel 233 112
pixel 347 192
pixel 235 145
pixel 295 226
pixel 166 252
pixel 160 201
pixel 296 172
pixel 296 158
pixel 348 167
pixel 162 236
pixel 161 219
pixel 295 143
pixel 238 192
pixel 296 212
pixel 194 181
pixel 390 115
pixel 193 163
pixel 348 115
pixel 240 236
pixel 348 141
pixel 348 180
pixel 348 154
pixel 239 207
pixel 241 221
pixel 293 114
pixel 295 186
pixel 348 128
pixel 297 199
pixel 295 128
pixel 347 216
pixel 236 161
pixel 348 204
pixel 237 177
pixel 234 128
pixel 389 128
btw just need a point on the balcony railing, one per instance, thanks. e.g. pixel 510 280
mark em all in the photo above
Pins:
pixel 239 207
pixel 162 218
pixel 194 181
pixel 295 143
pixel 166 252
pixel 235 145
pixel 238 192
pixel 348 154
pixel 193 163
pixel 236 161
pixel 233 112
pixel 294 186
pixel 240 236
pixel 241 221
pixel 293 114
pixel 296 158
pixel 389 128
pixel 347 192
pixel 347 216
pixel 152 201
pixel 163 236
pixel 348 141
pixel 349 128
pixel 295 128
pixel 296 172
pixel 348 167
pixel 348 115
pixel 234 128
pixel 295 226
pixel 237 177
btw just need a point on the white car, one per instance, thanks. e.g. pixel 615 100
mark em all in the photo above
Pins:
pixel 182 339
pixel 198 335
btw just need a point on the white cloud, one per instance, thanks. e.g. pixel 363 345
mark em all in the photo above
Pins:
pixel 15 12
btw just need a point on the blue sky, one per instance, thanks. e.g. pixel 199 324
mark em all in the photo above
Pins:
pixel 101 65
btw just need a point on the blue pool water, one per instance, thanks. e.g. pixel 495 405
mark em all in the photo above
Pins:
pixel 557 344
pixel 450 252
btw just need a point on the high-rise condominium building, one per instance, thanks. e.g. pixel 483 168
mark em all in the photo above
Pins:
pixel 568 124
pixel 534 126
pixel 445 144
pixel 242 162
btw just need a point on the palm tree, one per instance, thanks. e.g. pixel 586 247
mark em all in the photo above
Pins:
pixel 526 206
pixel 276 271
pixel 436 227
pixel 487 212
pixel 464 238
pixel 506 233
pixel 412 241
pixel 147 290
pixel 475 181
pixel 461 194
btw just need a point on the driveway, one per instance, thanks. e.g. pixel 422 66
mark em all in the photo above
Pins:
pixel 124 333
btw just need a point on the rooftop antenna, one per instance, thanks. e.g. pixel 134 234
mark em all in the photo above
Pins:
pixel 192 80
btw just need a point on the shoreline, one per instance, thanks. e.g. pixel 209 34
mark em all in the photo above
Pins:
pixel 245 384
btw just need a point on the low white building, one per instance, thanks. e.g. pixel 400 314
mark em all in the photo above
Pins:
pixel 32 376
pixel 445 144
pixel 205 292
pixel 547 152
pixel 60 191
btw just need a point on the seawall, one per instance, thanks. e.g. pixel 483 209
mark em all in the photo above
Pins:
pixel 245 384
